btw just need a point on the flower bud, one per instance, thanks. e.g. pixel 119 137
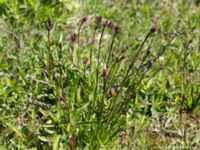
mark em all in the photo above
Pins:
pixel 105 74
pixel 49 25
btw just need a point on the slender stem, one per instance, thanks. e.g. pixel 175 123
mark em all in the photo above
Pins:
pixel 111 47
pixel 184 85
pixel 60 69
pixel 125 78
pixel 144 58
pixel 49 48
pixel 93 40
pixel 72 53
pixel 153 75
pixel 98 63
pixel 107 64
pixel 79 33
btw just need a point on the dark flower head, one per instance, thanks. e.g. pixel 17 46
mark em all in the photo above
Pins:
pixel 49 25
pixel 110 25
pixel 85 18
pixel 99 19
pixel 86 61
pixel 153 29
pixel 117 28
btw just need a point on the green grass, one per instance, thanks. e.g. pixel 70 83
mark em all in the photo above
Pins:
pixel 70 79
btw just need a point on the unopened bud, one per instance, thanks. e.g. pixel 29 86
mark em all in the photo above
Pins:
pixel 113 53
pixel 105 74
pixel 85 18
pixel 113 93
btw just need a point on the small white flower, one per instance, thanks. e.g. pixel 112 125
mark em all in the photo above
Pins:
pixel 161 58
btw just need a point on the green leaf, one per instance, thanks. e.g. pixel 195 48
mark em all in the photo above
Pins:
pixel 56 142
